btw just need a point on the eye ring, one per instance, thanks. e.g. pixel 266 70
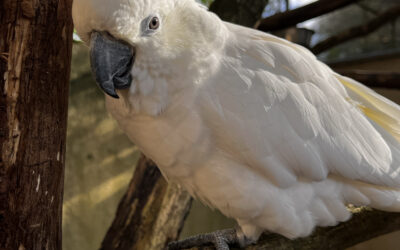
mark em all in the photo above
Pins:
pixel 154 23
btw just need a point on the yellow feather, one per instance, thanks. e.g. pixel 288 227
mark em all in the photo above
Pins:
pixel 375 107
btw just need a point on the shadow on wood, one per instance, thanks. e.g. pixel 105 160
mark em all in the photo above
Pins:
pixel 151 213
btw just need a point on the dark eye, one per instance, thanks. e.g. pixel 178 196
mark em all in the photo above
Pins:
pixel 154 23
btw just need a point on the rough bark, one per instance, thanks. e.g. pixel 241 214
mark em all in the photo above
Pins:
pixel 365 224
pixel 244 12
pixel 151 213
pixel 35 54
pixel 358 31
pixel 390 80
pixel 290 18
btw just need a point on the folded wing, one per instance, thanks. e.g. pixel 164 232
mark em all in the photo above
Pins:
pixel 293 117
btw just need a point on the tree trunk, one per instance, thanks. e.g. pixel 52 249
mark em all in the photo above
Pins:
pixel 35 53
pixel 151 213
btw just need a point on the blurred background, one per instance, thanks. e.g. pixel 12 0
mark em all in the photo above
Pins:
pixel 101 160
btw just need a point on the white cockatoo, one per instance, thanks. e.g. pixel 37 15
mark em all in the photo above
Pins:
pixel 246 122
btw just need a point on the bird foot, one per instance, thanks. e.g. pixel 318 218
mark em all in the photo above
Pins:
pixel 219 239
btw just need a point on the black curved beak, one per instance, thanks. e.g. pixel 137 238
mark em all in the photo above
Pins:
pixel 111 62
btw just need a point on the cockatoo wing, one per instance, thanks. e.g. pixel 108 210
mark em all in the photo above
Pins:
pixel 289 116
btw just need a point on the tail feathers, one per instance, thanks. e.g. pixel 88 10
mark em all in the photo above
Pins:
pixel 381 198
pixel 332 195
pixel 297 210
pixel 383 114
pixel 329 212
pixel 394 146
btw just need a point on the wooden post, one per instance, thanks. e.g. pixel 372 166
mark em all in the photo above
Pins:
pixel 35 53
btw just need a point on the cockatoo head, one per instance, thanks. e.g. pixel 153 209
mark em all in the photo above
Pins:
pixel 144 45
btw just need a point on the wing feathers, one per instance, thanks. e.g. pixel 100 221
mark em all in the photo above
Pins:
pixel 376 107
pixel 314 121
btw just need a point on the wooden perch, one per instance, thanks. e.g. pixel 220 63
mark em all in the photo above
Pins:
pixel 358 31
pixel 365 224
pixel 366 8
pixel 389 80
pixel 290 18
pixel 151 213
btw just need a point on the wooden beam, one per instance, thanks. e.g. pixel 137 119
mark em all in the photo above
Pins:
pixel 291 18
pixel 358 31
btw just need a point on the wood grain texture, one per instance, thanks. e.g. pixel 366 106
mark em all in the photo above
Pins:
pixel 35 54
pixel 151 213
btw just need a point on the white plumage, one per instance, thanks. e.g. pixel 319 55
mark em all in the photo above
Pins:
pixel 249 123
